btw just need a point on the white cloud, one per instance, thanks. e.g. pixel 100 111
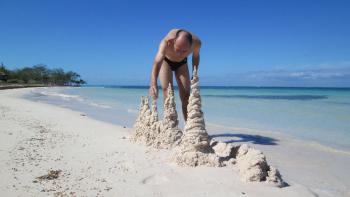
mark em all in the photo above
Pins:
pixel 302 74
pixel 325 77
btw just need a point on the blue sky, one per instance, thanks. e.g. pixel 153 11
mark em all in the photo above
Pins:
pixel 258 43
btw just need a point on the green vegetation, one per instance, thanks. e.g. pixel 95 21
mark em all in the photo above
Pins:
pixel 41 75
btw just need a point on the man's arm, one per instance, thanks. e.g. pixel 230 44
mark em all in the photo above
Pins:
pixel 153 91
pixel 195 56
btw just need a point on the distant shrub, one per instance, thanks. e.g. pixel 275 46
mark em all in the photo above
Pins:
pixel 40 74
pixel 32 81
pixel 15 81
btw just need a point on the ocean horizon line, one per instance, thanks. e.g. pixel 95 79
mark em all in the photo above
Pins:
pixel 225 87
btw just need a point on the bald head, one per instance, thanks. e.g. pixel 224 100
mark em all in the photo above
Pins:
pixel 183 36
pixel 183 42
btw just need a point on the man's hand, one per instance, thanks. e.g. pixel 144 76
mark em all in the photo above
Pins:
pixel 153 91
pixel 195 56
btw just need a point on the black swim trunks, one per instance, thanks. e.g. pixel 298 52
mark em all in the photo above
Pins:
pixel 175 65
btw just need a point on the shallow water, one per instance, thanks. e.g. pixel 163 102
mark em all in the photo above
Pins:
pixel 316 114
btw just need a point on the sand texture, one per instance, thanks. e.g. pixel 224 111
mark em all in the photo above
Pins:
pixel 47 150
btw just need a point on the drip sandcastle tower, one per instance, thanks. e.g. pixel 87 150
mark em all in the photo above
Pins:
pixel 142 125
pixel 195 147
pixel 151 131
pixel 169 135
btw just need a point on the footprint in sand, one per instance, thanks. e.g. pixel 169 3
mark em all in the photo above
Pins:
pixel 155 179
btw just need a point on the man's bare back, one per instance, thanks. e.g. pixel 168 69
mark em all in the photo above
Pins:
pixel 172 56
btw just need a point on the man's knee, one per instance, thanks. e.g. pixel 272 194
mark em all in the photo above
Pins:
pixel 165 92
pixel 185 96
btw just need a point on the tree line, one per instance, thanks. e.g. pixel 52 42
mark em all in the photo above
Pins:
pixel 40 74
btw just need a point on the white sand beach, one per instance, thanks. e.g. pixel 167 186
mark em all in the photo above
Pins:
pixel 46 150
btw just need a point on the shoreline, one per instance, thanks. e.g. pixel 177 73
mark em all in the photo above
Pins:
pixel 279 136
pixel 16 86
pixel 212 127
pixel 82 141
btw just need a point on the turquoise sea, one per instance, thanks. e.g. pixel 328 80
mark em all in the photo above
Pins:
pixel 320 115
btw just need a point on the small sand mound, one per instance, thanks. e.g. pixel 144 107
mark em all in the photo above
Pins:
pixel 195 158
pixel 252 166
pixel 223 150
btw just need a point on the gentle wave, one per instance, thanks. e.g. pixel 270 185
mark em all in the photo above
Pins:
pixel 323 147
pixel 69 97
pixel 339 103
pixel 271 97
pixel 63 96
pixel 99 105
pixel 132 111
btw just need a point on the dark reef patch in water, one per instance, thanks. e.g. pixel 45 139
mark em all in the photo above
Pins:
pixel 272 97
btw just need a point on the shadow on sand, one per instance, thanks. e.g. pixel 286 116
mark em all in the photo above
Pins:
pixel 255 139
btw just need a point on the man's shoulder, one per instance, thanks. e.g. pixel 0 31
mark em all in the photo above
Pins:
pixel 197 43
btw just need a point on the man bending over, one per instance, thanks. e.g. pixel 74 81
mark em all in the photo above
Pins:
pixel 171 57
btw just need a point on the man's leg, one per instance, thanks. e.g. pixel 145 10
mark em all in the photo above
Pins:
pixel 183 81
pixel 166 77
